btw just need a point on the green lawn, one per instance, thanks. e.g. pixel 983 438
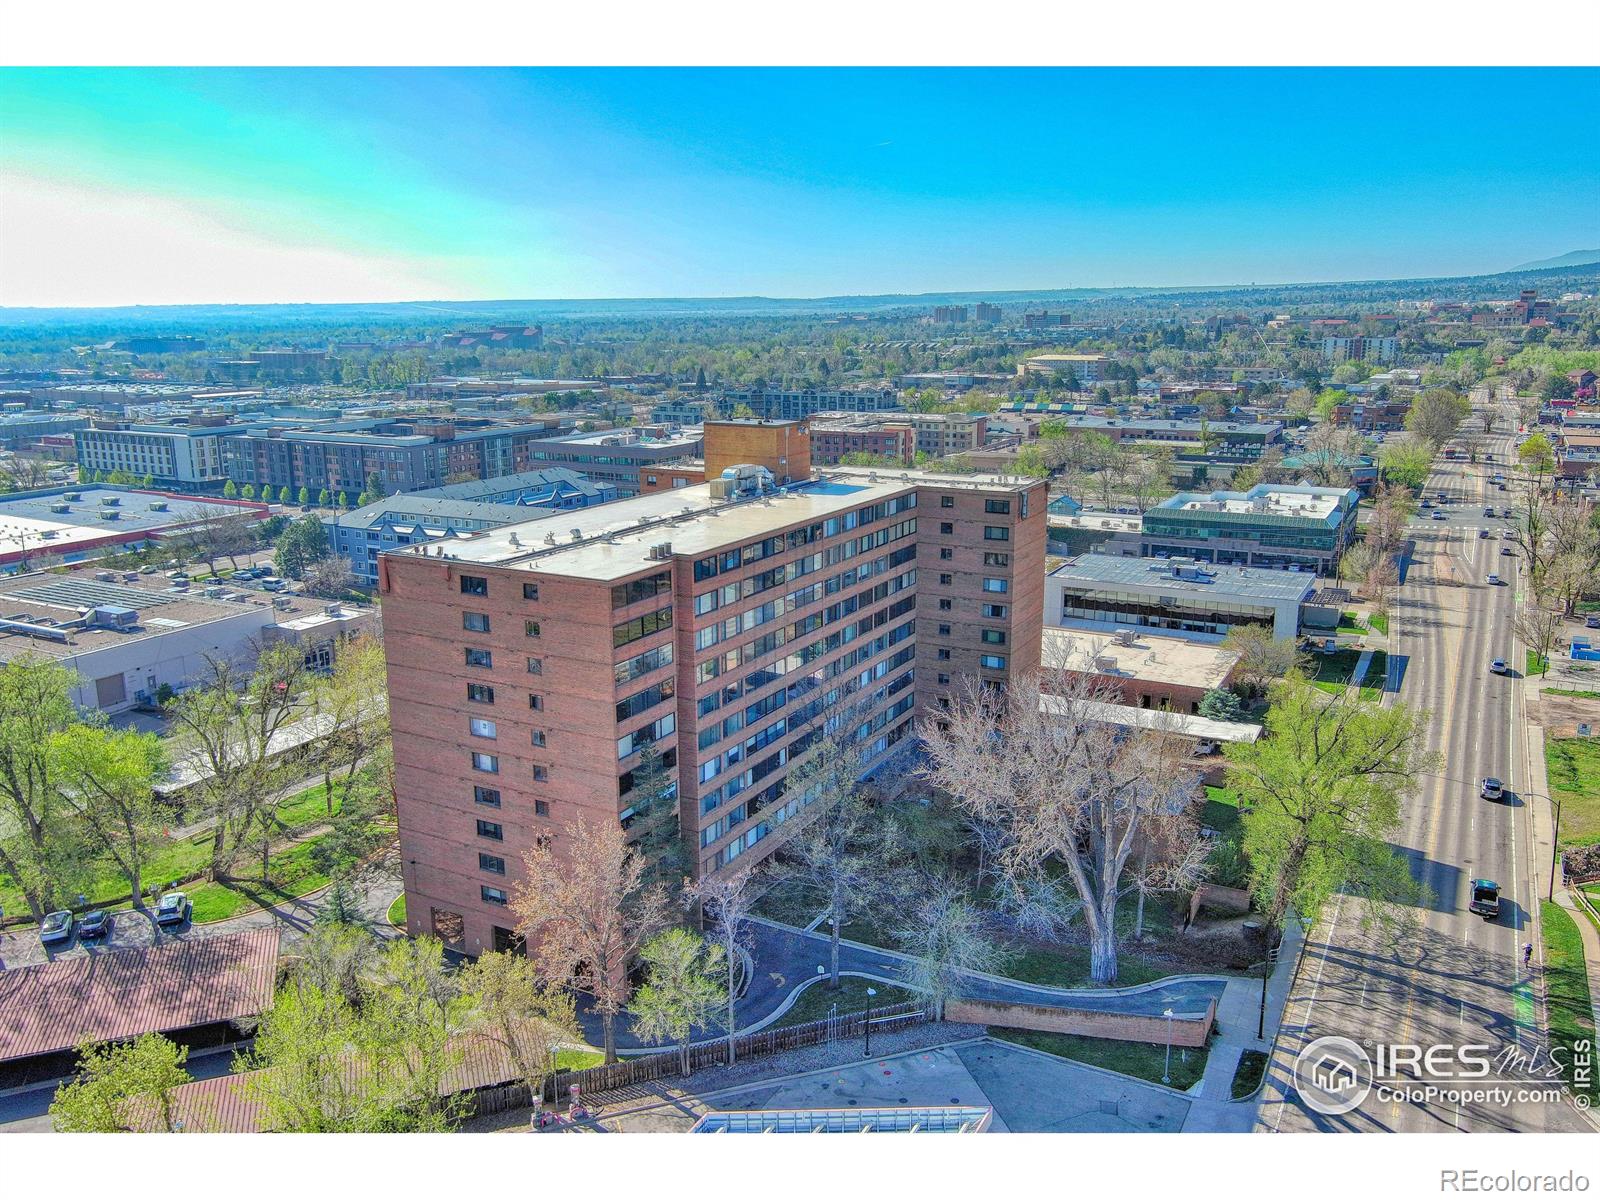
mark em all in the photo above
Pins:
pixel 397 911
pixel 578 1060
pixel 1142 1060
pixel 1379 623
pixel 1227 861
pixel 1567 983
pixel 814 1003
pixel 1537 664
pixel 1377 673
pixel 1334 670
pixel 1576 695
pixel 291 871
pixel 1573 767
pixel 1349 622
pixel 1247 1076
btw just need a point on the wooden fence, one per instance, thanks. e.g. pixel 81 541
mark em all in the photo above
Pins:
pixel 590 1081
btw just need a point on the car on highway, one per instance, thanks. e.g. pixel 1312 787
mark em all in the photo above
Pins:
pixel 1438 514
pixel 1488 512
pixel 1492 789
pixel 1501 486
pixel 96 924
pixel 174 909
pixel 1443 499
pixel 56 927
pixel 1508 552
pixel 1485 898
pixel 1494 580
pixel 1427 503
pixel 1498 666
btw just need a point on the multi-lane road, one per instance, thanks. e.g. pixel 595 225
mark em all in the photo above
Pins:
pixel 1451 978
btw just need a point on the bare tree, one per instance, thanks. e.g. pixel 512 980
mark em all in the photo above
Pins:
pixel 834 850
pixel 1330 453
pixel 1538 628
pixel 945 936
pixel 1262 657
pixel 1067 787
pixel 729 899
pixel 329 577
pixel 354 700
pixel 586 915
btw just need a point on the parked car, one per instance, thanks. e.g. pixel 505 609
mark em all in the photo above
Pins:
pixel 1498 666
pixel 1592 621
pixel 95 925
pixel 174 909
pixel 57 927
pixel 1492 789
pixel 1485 898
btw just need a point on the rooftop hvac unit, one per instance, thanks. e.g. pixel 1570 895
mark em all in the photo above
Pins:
pixel 282 602
pixel 158 506
pixel 1104 662
pixel 72 495
pixel 113 616
pixel 661 551
pixel 577 535
pixel 110 514
pixel 61 508
pixel 48 534
pixel 105 576
pixel 110 501
pixel 1126 637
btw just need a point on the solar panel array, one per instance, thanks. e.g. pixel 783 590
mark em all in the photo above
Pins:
pixel 89 593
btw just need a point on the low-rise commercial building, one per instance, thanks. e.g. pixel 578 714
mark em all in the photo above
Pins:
pixel 74 524
pixel 1272 525
pixel 615 456
pixel 22 430
pixel 1103 593
pixel 1141 669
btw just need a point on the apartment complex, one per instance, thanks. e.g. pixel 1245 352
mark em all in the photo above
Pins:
pixel 1361 349
pixel 1085 368
pixel 404 454
pixel 614 456
pixel 170 453
pixel 794 404
pixel 833 435
pixel 730 628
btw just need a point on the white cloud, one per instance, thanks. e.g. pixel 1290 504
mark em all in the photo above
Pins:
pixel 64 245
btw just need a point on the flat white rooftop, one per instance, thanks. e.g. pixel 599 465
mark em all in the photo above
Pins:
pixel 1277 504
pixel 1150 657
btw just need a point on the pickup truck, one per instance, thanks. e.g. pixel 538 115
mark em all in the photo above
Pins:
pixel 1485 898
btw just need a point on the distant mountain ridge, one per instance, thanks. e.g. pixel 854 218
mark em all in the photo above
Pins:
pixel 1352 293
pixel 1572 258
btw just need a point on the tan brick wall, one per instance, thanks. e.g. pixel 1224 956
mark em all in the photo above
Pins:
pixel 1185 1031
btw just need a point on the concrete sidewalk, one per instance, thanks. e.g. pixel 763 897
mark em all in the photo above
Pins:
pixel 1214 1110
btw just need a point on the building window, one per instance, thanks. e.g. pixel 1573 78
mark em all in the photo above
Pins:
pixel 945 605
pixel 997 506
pixel 943 654
pixel 541 808
pixel 481 728
pixel 538 737
pixel 946 553
pixel 995 611
pixel 944 631
pixel 486 763
pixel 994 662
pixel 993 558
pixel 946 580
pixel 480 693
pixel 491 863
pixel 531 628
pixel 492 895
pixel 476 622
pixel 994 637
pixel 479 658
pixel 536 701
pixel 947 501
pixel 535 666
pixel 491 830
pixel 944 680
pixel 996 533
pixel 650 479
pixel 488 797
pixel 947 527
pixel 474 585
pixel 530 591
pixel 541 774
pixel 996 585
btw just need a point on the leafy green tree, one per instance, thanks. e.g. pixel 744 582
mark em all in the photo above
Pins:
pixel 1322 792
pixel 305 496
pixel 325 498
pixel 683 989
pixel 344 500
pixel 230 490
pixel 283 495
pixel 110 776
pixel 248 492
pixel 515 1010
pixel 41 846
pixel 1437 414
pixel 122 1088
pixel 743 412
pixel 1537 456
pixel 655 824
pixel 1406 461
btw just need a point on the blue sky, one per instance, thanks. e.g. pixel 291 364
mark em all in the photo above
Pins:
pixel 168 186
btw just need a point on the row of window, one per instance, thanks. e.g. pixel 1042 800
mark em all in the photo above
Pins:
pixel 641 627
pixel 477 656
pixel 478 585
pixel 490 798
pixel 752 585
pixel 489 764
pixel 476 622
pixel 754 618
pixel 732 560
pixel 624 594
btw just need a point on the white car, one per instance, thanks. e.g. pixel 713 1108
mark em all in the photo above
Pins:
pixel 1498 666
pixel 1494 581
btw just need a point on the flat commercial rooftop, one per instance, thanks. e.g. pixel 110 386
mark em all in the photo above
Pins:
pixel 1184 724
pixel 1164 659
pixel 29 523
pixel 1119 571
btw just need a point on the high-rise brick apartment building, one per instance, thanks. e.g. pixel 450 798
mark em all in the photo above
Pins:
pixel 526 672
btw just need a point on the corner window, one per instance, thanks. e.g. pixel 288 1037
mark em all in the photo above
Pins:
pixel 474 585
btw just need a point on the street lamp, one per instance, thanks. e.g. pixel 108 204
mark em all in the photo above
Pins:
pixel 1166 1071
pixel 871 992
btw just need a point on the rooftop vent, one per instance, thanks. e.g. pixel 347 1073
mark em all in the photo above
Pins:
pixel 577 535
pixel 515 540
